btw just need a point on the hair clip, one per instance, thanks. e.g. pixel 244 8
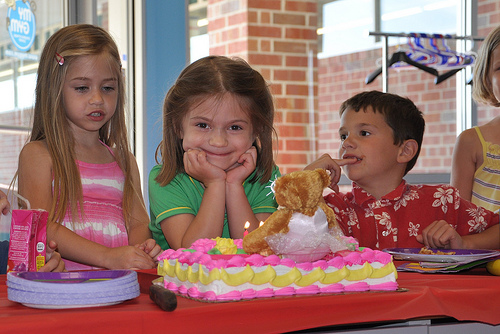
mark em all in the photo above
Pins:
pixel 60 59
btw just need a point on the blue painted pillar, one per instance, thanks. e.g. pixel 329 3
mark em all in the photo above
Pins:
pixel 166 54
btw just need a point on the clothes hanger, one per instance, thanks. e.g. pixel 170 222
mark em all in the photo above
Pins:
pixel 428 60
pixel 453 58
pixel 442 77
pixel 420 53
pixel 400 56
pixel 456 60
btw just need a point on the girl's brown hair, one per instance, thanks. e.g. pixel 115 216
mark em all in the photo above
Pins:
pixel 50 122
pixel 482 91
pixel 216 76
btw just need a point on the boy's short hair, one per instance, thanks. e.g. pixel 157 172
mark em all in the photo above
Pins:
pixel 401 114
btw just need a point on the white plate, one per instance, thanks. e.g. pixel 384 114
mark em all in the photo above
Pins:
pixel 461 255
pixel 54 307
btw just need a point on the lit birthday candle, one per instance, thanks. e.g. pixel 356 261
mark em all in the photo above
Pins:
pixel 247 225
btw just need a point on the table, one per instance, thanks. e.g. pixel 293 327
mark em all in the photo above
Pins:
pixel 470 296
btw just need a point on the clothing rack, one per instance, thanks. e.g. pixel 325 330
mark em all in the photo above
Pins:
pixel 385 50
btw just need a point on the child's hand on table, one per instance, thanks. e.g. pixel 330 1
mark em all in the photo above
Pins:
pixel 440 234
pixel 54 261
pixel 128 257
pixel 150 247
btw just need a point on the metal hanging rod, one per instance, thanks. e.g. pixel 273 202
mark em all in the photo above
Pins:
pixel 444 36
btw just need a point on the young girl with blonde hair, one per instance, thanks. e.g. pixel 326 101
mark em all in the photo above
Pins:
pixel 77 164
pixel 476 157
pixel 217 162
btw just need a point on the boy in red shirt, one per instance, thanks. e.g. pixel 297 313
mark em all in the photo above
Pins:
pixel 381 136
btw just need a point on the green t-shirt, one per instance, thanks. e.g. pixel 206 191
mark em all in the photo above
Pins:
pixel 184 194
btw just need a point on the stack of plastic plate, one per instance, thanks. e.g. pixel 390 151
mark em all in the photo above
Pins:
pixel 72 289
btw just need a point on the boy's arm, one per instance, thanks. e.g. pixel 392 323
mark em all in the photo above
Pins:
pixel 440 234
pixel 488 239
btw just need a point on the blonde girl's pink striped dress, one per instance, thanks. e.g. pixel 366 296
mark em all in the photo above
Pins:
pixel 102 218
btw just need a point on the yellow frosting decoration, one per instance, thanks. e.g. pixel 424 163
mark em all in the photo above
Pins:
pixel 238 278
pixel 384 271
pixel 179 272
pixel 213 275
pixel 168 269
pixel 286 279
pixel 264 276
pixel 268 275
pixel 193 276
pixel 225 246
pixel 361 273
pixel 314 276
pixel 161 271
pixel 335 277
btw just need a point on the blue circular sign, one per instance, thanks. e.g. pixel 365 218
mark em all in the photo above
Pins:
pixel 22 27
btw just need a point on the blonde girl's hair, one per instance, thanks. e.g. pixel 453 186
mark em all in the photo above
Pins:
pixel 482 90
pixel 214 76
pixel 50 122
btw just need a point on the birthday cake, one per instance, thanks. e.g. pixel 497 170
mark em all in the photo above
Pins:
pixel 219 270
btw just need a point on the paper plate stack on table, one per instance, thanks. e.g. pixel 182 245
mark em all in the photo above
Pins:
pixel 72 289
pixel 441 260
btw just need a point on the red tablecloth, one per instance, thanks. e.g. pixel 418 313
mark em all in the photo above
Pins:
pixel 472 296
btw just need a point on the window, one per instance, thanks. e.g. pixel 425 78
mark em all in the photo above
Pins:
pixel 345 24
pixel 347 54
pixel 17 80
pixel 198 29
pixel 18 68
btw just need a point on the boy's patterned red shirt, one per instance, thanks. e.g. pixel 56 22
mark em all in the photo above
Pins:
pixel 398 217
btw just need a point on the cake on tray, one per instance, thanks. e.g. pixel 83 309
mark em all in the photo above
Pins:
pixel 219 270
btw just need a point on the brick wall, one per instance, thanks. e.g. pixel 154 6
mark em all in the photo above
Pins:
pixel 278 38
pixel 343 76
